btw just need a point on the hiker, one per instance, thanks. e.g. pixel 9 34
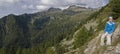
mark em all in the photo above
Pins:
pixel 109 29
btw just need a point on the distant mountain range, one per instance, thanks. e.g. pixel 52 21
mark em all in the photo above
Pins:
pixel 54 31
pixel 29 30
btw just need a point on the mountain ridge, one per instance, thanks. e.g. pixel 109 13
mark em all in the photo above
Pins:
pixel 71 31
pixel 40 30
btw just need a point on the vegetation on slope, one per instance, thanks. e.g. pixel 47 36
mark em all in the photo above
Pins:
pixel 36 33
pixel 112 9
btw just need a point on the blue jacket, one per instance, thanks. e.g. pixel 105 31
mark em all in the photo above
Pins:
pixel 110 27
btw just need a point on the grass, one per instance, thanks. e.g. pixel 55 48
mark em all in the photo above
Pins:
pixel 81 51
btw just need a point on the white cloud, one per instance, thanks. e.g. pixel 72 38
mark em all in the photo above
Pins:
pixel 8 1
pixel 24 7
pixel 65 7
pixel 46 2
pixel 31 7
pixel 28 6
pixel 71 1
pixel 42 7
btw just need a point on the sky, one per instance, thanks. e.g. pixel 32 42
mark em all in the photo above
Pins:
pixel 31 6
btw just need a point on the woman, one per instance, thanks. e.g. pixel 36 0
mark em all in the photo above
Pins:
pixel 109 29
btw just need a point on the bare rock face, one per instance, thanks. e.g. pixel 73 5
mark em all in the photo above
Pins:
pixel 117 49
pixel 116 34
pixel 94 47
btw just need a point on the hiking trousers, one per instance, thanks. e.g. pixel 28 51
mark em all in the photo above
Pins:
pixel 108 39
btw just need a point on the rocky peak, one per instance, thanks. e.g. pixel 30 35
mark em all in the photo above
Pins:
pixel 54 9
pixel 75 6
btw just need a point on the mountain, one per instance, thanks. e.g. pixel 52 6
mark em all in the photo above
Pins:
pixel 78 8
pixel 54 9
pixel 41 30
pixel 84 42
pixel 75 30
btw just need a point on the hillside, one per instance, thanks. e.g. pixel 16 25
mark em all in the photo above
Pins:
pixel 76 30
pixel 85 43
pixel 24 34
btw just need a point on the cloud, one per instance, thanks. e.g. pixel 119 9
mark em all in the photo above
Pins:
pixel 42 7
pixel 31 6
pixel 3 2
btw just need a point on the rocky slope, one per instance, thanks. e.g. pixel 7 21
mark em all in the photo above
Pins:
pixel 92 46
pixel 76 30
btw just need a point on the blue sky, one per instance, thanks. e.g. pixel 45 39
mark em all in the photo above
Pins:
pixel 30 6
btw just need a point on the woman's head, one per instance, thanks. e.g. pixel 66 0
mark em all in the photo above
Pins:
pixel 110 18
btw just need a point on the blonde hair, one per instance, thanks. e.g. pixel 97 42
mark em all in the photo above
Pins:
pixel 110 17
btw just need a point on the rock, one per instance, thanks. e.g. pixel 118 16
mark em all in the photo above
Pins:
pixel 116 33
pixel 117 49
pixel 94 45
